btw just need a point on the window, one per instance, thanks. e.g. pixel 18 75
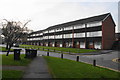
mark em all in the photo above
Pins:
pixel 68 28
pixel 97 45
pixel 58 36
pixel 92 24
pixel 82 44
pixel 45 32
pixel 51 37
pixel 90 43
pixel 79 26
pixel 59 29
pixel 77 35
pixel 40 33
pixel 67 35
pixel 94 34
pixel 50 31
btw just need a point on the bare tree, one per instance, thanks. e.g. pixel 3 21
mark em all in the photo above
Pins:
pixel 12 32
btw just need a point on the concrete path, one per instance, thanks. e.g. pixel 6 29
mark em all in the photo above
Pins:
pixel 37 69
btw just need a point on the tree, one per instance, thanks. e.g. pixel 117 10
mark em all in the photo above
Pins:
pixel 12 31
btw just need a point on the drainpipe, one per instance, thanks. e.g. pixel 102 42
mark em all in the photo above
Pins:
pixel 86 36
pixel 73 37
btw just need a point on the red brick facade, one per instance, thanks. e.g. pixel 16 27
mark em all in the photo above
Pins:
pixel 108 33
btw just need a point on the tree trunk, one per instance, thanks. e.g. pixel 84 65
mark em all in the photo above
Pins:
pixel 7 46
pixel 8 50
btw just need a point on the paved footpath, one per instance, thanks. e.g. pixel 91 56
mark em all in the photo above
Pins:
pixel 37 69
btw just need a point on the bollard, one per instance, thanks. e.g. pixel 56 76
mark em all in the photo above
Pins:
pixel 94 62
pixel 69 52
pixel 48 52
pixel 62 56
pixel 77 59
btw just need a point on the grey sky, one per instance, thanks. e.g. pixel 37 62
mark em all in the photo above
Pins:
pixel 46 13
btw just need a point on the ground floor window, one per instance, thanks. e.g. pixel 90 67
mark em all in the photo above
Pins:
pixel 82 44
pixel 97 45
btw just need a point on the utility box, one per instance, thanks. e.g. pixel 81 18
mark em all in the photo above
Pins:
pixel 30 53
pixel 17 54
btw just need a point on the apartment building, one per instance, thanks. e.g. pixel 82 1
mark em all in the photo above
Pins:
pixel 97 32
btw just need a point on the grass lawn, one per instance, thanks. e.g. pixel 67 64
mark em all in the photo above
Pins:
pixel 4 49
pixel 73 50
pixel 9 60
pixel 6 74
pixel 64 68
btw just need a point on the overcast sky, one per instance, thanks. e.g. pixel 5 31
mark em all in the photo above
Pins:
pixel 46 13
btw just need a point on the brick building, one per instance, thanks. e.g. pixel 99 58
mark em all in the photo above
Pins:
pixel 97 32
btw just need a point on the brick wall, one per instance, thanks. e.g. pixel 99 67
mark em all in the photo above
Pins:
pixel 108 33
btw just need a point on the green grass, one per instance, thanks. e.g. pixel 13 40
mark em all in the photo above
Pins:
pixel 9 60
pixel 7 74
pixel 4 49
pixel 64 68
pixel 73 50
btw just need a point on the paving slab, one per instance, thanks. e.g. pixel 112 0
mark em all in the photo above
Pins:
pixel 37 69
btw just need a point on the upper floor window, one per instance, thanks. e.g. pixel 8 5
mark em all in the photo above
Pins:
pixel 51 37
pixel 40 33
pixel 68 28
pixel 67 35
pixel 78 35
pixel 94 34
pixel 79 26
pixel 45 32
pixel 50 31
pixel 92 24
pixel 59 29
pixel 45 37
pixel 58 36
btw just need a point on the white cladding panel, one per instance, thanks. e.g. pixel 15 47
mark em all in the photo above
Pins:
pixel 97 45
pixel 82 44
